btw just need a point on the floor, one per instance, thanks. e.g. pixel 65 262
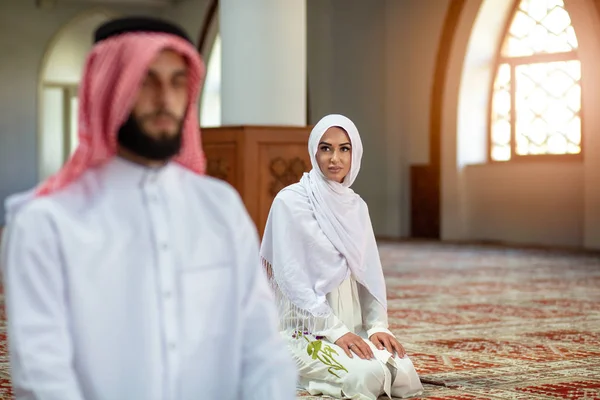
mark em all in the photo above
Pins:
pixel 482 322
pixel 485 323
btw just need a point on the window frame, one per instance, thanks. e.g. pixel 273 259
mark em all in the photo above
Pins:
pixel 513 62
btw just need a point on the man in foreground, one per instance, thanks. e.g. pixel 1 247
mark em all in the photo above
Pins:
pixel 129 275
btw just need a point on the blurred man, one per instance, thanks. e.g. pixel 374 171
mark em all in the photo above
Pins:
pixel 129 275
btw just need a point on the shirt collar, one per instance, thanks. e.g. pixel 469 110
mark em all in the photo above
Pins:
pixel 124 173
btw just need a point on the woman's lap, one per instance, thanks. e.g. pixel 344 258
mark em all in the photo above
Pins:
pixel 324 368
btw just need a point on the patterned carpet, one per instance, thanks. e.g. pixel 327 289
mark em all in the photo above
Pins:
pixel 486 323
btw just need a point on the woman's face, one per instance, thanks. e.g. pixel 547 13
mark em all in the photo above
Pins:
pixel 334 154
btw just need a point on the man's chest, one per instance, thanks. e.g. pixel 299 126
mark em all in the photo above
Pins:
pixel 142 237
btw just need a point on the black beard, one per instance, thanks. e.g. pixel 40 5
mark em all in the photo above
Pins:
pixel 133 138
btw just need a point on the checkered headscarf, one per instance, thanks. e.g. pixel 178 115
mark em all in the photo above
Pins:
pixel 113 73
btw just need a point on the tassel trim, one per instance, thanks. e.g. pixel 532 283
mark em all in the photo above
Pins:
pixel 293 318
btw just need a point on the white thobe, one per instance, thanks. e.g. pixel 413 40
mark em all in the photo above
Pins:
pixel 138 283
pixel 354 310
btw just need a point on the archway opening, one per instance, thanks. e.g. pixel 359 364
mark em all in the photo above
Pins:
pixel 59 81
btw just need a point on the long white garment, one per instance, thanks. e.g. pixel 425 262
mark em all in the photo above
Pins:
pixel 137 283
pixel 324 368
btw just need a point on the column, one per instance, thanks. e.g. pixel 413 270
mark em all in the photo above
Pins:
pixel 263 68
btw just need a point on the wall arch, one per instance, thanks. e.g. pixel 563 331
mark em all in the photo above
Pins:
pixel 464 127
pixel 480 28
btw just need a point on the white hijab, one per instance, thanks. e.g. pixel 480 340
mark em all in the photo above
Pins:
pixel 319 232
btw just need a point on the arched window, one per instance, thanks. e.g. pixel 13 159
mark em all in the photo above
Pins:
pixel 536 97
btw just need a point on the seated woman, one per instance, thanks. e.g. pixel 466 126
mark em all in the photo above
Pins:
pixel 321 257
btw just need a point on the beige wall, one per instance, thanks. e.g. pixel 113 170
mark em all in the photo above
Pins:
pixel 533 203
pixel 539 203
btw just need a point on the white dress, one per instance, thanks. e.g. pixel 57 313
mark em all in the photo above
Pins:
pixel 324 368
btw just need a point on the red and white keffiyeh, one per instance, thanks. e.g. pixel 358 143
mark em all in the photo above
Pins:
pixel 113 73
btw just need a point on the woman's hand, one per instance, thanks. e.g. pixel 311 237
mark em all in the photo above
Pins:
pixel 354 343
pixel 384 340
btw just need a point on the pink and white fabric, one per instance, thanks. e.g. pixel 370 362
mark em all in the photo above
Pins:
pixel 113 72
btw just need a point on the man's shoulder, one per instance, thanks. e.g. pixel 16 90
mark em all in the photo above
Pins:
pixel 68 199
pixel 25 209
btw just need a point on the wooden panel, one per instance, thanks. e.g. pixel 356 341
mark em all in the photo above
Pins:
pixel 259 136
pixel 221 162
pixel 280 165
pixel 280 135
pixel 425 201
pixel 258 161
pixel 220 135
